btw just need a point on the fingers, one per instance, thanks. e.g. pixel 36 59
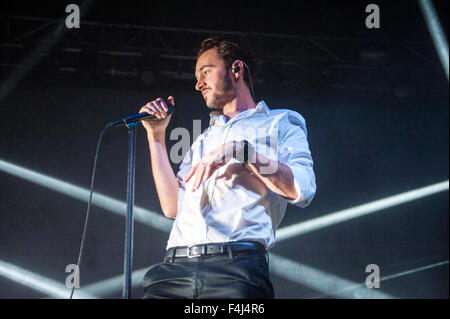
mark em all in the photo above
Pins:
pixel 201 172
pixel 210 169
pixel 171 100
pixel 161 105
pixel 153 109
pixel 207 173
pixel 198 171
pixel 157 107
pixel 199 176
pixel 191 173
pixel 208 165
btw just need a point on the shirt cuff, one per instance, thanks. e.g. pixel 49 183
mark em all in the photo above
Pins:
pixel 302 181
pixel 300 196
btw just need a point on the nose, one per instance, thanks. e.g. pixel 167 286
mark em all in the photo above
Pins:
pixel 200 83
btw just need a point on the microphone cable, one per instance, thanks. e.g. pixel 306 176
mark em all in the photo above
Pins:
pixel 83 237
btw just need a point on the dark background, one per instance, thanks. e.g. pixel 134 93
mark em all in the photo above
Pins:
pixel 375 103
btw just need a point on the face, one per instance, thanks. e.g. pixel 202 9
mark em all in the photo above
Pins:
pixel 213 80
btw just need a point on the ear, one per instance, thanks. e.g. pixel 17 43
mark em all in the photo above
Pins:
pixel 237 69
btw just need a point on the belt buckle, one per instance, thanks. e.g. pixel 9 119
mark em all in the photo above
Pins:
pixel 189 252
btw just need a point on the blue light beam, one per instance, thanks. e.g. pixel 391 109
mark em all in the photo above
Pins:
pixel 298 229
pixel 38 282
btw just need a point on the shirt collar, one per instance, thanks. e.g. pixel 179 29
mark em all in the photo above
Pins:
pixel 261 107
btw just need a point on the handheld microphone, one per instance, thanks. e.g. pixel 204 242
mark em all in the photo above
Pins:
pixel 140 116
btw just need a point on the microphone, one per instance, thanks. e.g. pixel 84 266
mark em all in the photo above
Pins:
pixel 140 116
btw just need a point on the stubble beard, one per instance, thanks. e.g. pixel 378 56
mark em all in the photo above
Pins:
pixel 223 94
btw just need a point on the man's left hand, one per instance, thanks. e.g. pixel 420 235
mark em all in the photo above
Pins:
pixel 211 162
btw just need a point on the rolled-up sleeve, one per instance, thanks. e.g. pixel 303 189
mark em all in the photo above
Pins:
pixel 293 151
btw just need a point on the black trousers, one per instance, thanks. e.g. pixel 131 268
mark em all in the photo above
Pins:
pixel 236 275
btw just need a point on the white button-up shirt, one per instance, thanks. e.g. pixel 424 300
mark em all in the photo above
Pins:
pixel 234 204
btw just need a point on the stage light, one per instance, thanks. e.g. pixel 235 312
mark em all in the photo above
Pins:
pixel 436 31
pixel 292 231
pixel 114 284
pixel 37 282
pixel 412 271
pixel 347 291
pixel 280 266
pixel 326 283
pixel 147 217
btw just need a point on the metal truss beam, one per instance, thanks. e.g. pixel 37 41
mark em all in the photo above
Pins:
pixel 131 50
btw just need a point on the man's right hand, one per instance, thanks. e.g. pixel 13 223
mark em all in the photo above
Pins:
pixel 165 180
pixel 158 108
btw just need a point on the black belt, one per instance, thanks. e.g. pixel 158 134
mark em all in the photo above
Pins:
pixel 226 248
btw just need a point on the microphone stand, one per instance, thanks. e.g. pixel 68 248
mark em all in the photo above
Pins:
pixel 129 228
pixel 131 122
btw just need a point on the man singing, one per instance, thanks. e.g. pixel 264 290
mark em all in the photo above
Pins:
pixel 232 188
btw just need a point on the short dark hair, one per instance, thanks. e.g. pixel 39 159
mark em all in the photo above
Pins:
pixel 230 50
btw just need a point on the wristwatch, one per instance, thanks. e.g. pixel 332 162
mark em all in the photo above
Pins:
pixel 247 152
